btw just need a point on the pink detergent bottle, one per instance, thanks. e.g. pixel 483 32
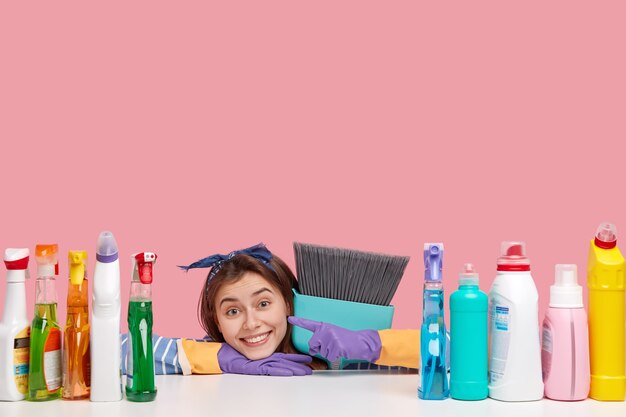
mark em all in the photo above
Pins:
pixel 565 341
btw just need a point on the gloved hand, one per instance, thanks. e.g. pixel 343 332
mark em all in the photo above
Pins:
pixel 333 342
pixel 277 364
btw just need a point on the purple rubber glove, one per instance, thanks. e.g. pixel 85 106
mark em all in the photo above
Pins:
pixel 277 364
pixel 333 342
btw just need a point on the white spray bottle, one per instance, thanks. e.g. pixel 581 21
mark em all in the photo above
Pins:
pixel 106 378
pixel 15 329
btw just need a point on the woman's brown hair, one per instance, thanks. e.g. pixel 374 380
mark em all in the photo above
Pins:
pixel 231 271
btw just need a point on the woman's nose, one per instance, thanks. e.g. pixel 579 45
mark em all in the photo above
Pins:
pixel 252 322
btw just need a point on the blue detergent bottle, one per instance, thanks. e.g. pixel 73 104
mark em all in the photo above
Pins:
pixel 468 339
pixel 433 341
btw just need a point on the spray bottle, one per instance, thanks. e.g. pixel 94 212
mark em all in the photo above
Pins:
pixel 15 329
pixel 106 378
pixel 76 357
pixel 140 368
pixel 468 338
pixel 44 379
pixel 565 342
pixel 433 340
pixel 515 350
pixel 605 282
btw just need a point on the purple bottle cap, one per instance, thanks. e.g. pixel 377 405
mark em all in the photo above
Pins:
pixel 106 251
pixel 433 262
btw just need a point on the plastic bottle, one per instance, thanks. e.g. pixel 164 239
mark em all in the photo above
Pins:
pixel 515 350
pixel 14 329
pixel 565 342
pixel 140 368
pixel 106 378
pixel 76 357
pixel 45 370
pixel 468 338
pixel 433 340
pixel 605 282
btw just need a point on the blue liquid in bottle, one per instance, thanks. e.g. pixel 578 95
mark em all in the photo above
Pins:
pixel 433 343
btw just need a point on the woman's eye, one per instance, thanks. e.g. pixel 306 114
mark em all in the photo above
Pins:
pixel 264 304
pixel 231 312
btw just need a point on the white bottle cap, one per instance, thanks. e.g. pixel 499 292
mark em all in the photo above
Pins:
pixel 566 293
pixel 469 276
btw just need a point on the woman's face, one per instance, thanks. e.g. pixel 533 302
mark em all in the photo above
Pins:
pixel 252 316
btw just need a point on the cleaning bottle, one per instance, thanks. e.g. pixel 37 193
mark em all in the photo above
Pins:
pixel 76 357
pixel 468 338
pixel 565 341
pixel 44 379
pixel 515 357
pixel 15 329
pixel 433 340
pixel 140 368
pixel 106 378
pixel 605 282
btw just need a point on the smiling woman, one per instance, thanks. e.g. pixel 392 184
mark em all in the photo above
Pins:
pixel 243 308
pixel 246 304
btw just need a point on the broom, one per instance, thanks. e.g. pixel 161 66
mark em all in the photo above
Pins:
pixel 347 274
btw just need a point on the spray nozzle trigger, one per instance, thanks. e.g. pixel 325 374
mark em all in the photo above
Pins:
pixel 143 266
pixel 433 261
pixel 77 259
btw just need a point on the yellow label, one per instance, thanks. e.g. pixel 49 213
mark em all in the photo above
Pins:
pixel 21 355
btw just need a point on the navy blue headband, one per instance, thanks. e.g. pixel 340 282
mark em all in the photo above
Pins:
pixel 216 261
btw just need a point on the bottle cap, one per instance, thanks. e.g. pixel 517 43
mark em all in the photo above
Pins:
pixel 566 293
pixel 142 270
pixel 513 257
pixel 47 262
pixel 16 259
pixel 433 262
pixel 106 250
pixel 469 276
pixel 77 260
pixel 606 236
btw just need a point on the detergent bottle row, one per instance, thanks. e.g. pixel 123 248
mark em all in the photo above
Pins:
pixel 39 362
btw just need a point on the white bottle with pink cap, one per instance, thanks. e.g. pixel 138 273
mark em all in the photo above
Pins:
pixel 515 350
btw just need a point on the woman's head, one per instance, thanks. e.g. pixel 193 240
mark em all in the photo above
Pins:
pixel 246 304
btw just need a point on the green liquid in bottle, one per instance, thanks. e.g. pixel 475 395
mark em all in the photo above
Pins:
pixel 44 379
pixel 140 379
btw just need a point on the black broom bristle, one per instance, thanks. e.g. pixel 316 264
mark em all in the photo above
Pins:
pixel 347 274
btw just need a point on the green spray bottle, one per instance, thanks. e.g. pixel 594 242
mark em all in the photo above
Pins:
pixel 45 373
pixel 468 339
pixel 140 367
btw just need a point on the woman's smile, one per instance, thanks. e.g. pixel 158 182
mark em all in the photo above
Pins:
pixel 256 340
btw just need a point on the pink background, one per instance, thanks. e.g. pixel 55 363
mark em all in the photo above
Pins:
pixel 189 128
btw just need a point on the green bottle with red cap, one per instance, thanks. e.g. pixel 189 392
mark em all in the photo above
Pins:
pixel 140 385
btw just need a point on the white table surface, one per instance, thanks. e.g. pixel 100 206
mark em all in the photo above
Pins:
pixel 324 394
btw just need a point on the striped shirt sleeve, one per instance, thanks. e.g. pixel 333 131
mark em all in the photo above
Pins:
pixel 165 354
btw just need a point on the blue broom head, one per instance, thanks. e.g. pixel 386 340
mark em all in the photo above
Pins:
pixel 347 314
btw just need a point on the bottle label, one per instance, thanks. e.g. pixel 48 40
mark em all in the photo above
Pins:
pixel 500 319
pixel 546 351
pixel 129 362
pixel 21 356
pixel 52 360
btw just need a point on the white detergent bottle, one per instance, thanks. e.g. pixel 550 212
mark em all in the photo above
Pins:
pixel 515 350
pixel 15 329
pixel 106 379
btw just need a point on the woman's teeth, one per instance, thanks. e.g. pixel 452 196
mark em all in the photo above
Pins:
pixel 257 339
